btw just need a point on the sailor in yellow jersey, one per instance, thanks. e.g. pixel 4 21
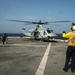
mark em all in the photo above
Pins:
pixel 70 53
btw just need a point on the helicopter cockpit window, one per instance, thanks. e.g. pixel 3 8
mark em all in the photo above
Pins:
pixel 49 31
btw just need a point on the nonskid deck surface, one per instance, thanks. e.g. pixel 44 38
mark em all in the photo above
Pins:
pixel 24 57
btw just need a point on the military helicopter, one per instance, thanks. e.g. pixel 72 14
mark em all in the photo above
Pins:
pixel 39 32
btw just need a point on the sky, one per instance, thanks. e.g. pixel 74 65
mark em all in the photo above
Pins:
pixel 35 10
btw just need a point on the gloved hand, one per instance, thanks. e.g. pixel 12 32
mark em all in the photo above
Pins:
pixel 64 32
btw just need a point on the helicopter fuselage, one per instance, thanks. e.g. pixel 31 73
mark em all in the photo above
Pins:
pixel 39 32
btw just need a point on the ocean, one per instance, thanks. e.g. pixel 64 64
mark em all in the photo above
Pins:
pixel 13 34
pixel 59 36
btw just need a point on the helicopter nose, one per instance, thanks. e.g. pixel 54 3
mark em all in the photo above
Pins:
pixel 51 36
pixel 54 35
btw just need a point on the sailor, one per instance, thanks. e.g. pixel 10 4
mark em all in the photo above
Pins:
pixel 70 53
pixel 4 37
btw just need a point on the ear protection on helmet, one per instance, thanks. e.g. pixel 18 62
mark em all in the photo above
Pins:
pixel 73 26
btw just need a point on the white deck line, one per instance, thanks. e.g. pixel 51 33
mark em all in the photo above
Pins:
pixel 41 68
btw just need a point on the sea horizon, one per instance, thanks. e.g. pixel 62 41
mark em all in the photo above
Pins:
pixel 59 35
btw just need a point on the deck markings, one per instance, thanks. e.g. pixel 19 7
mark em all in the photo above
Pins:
pixel 41 68
pixel 18 45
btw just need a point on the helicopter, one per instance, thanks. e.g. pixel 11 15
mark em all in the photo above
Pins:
pixel 39 32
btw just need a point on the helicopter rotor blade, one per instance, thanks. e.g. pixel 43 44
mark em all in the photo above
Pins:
pixel 21 21
pixel 29 22
pixel 39 22
pixel 55 24
pixel 60 21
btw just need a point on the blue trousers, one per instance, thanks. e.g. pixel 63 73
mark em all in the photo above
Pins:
pixel 70 54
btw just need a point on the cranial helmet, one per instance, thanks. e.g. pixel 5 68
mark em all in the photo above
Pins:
pixel 73 27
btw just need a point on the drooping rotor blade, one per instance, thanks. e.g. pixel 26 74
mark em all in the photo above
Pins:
pixel 60 21
pixel 21 21
pixel 29 22
pixel 55 24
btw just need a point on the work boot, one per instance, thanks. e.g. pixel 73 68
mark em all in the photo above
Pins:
pixel 72 70
pixel 65 69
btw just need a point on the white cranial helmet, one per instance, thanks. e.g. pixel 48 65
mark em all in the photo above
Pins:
pixel 73 26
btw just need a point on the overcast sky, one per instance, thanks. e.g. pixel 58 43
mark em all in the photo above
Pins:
pixel 35 10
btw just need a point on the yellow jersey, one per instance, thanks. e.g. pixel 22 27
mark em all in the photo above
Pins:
pixel 71 38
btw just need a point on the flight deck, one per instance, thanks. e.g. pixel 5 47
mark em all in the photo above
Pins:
pixel 20 56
